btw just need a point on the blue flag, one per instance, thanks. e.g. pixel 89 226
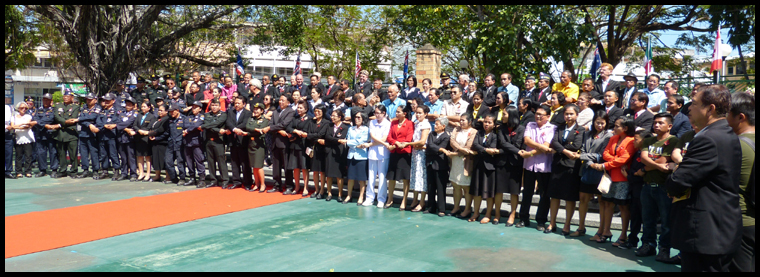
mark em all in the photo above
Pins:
pixel 239 66
pixel 596 64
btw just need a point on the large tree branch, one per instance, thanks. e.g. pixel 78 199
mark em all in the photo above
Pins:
pixel 199 60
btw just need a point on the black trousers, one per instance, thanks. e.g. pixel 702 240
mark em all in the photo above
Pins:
pixel 695 262
pixel 436 180
pixel 24 158
pixel 68 148
pixel 47 149
pixel 744 259
pixel 128 162
pixel 175 153
pixel 635 208
pixel 279 162
pixel 8 156
pixel 241 165
pixel 194 161
pixel 217 160
pixel 529 184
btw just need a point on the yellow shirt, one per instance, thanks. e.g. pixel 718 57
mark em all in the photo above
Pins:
pixel 571 90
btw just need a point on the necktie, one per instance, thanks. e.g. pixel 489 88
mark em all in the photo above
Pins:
pixel 635 115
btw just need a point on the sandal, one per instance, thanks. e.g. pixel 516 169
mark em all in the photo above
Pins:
pixel 578 233
pixel 495 221
pixel 596 237
pixel 604 239
pixel 619 242
pixel 485 220
pixel 472 219
pixel 418 209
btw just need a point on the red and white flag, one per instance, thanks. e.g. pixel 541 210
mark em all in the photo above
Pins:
pixel 358 65
pixel 717 62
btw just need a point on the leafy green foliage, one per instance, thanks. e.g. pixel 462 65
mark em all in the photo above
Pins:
pixel 20 38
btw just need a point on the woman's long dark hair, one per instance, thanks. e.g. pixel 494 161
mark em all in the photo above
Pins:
pixel 514 117
pixel 603 115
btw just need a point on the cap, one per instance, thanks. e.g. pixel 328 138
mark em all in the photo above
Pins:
pixel 215 76
pixel 47 96
pixel 107 97
pixel 131 100
pixel 258 105
pixel 160 98
pixel 67 92
pixel 167 76
pixel 28 99
pixel 275 77
pixel 543 76
pixel 90 96
pixel 154 77
pixel 140 79
pixel 173 107
pixel 444 75
pixel 530 77
pixel 198 103
pixel 631 75
pixel 256 83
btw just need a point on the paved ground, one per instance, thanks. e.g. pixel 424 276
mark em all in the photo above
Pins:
pixel 305 235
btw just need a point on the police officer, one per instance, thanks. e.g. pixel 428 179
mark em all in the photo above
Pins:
pixel 32 111
pixel 88 140
pixel 175 94
pixel 155 90
pixel 67 117
pixel 44 133
pixel 159 102
pixel 139 93
pixel 121 96
pixel 445 86
pixel 174 148
pixel 125 133
pixel 107 123
pixel 192 142
pixel 213 123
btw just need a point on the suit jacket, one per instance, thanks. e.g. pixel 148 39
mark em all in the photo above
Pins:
pixel 527 117
pixel 614 114
pixel 492 141
pixel 611 85
pixel 510 142
pixel 413 92
pixel 489 96
pixel 572 143
pixel 530 94
pixel 621 95
pixel 365 89
pixel 542 97
pixel 233 122
pixel 681 125
pixel 145 126
pixel 645 120
pixel 709 221
pixel 280 121
pixel 329 93
pixel 301 124
pixel 433 157
pixel 482 113
pixel 336 151
pixel 243 89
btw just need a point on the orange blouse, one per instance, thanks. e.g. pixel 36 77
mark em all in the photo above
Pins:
pixel 618 157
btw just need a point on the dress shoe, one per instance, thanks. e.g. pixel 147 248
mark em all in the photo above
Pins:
pixel 61 175
pixel 168 182
pixel 552 230
pixel 541 227
pixel 521 224
pixel 318 197
pixel 84 174
pixel 663 256
pixel 121 178
pixel 340 199
pixel 314 195
pixel 565 234
pixel 41 174
pixel 95 176
pixel 190 182
pixel 201 184
pixel 233 186
pixel 225 185
pixel 288 192
pixel 510 224
pixel 645 250
pixel 104 174
pixel 10 176
pixel 181 183
pixel 211 184
pixel 273 190
pixel 249 189
pixel 116 175
pixel 329 197
pixel 133 179
pixel 54 175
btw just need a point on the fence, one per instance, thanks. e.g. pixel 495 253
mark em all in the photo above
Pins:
pixel 733 82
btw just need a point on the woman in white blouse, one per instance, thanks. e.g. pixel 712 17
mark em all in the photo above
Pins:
pixel 378 157
pixel 587 114
pixel 22 125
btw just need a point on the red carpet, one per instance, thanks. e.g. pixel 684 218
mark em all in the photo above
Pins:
pixel 40 231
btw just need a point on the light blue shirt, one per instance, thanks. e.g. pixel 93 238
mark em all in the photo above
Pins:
pixel 435 108
pixel 392 106
pixel 512 92
pixel 655 96
pixel 357 135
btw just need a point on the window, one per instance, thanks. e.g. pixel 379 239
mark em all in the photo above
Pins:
pixel 730 70
pixel 43 63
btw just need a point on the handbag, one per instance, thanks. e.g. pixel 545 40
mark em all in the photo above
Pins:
pixel 604 184
pixel 591 176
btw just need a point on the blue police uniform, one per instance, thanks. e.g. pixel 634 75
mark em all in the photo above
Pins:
pixel 32 111
pixel 121 101
pixel 126 146
pixel 107 140
pixel 193 152
pixel 88 141
pixel 174 150
pixel 46 144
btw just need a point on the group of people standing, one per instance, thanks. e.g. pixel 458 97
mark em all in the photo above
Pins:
pixel 562 142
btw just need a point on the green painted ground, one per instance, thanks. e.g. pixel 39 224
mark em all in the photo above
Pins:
pixel 312 235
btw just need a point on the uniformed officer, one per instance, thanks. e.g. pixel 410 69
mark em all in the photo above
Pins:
pixel 125 133
pixel 193 153
pixel 175 98
pixel 88 140
pixel 44 133
pixel 445 86
pixel 140 93
pixel 106 123
pixel 213 123
pixel 67 117
pixel 159 102
pixel 155 90
pixel 121 96
pixel 174 148
pixel 32 111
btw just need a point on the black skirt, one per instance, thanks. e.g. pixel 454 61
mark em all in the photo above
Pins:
pixel 484 182
pixel 142 148
pixel 296 159
pixel 564 183
pixel 318 162
pixel 510 179
pixel 399 167
pixel 158 156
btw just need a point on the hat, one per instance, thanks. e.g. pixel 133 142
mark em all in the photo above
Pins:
pixel 198 103
pixel 256 83
pixel 107 97
pixel 275 77
pixel 131 100
pixel 140 79
pixel 215 76
pixel 90 96
pixel 67 92
pixel 47 96
pixel 154 77
pixel 444 76
pixel 167 76
pixel 173 107
pixel 530 77
pixel 160 98
pixel 28 99
pixel 631 75
pixel 258 105
pixel 120 82
pixel 365 72
pixel 543 76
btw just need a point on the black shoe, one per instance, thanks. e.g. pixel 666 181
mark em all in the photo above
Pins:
pixel 340 200
pixel 233 187
pixel 674 260
pixel 54 175
pixel 61 175
pixel 84 174
pixel 628 245
pixel 10 176
pixel 181 183
pixel 167 181
pixel 318 197
pixel 225 185
pixel 116 175
pixel 133 179
pixel 329 197
pixel 212 184
pixel 190 182
pixel 273 190
pixel 552 230
pixel 104 174
pixel 512 224
pixel 41 174
pixel 201 184
pixel 289 192
pixel 645 250
pixel 121 178
pixel 541 227
pixel 663 256
pixel 565 234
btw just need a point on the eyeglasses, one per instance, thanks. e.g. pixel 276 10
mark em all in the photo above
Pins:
pixel 540 115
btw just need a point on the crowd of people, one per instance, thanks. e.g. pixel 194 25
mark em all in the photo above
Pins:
pixel 563 142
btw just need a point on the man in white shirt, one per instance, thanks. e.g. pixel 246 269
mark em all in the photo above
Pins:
pixel 655 94
pixel 453 109
pixel 8 142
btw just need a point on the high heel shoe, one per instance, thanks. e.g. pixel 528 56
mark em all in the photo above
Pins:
pixel 578 233
pixel 604 239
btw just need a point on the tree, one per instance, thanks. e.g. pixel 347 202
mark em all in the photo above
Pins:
pixel 740 19
pixel 20 38
pixel 107 42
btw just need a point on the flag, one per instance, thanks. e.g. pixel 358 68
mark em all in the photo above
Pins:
pixel 406 67
pixel 648 68
pixel 239 65
pixel 297 69
pixel 358 66
pixel 596 64
pixel 717 62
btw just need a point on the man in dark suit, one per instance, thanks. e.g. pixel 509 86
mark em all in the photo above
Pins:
pixel 597 99
pixel 243 87
pixel 364 85
pixel 642 118
pixel 280 120
pixel 626 91
pixel 332 88
pixel 530 92
pixel 237 118
pixel 314 82
pixel 706 216
pixel 344 84
pixel 610 98
pixel 604 83
pixel 377 88
pixel 544 89
pixel 489 90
